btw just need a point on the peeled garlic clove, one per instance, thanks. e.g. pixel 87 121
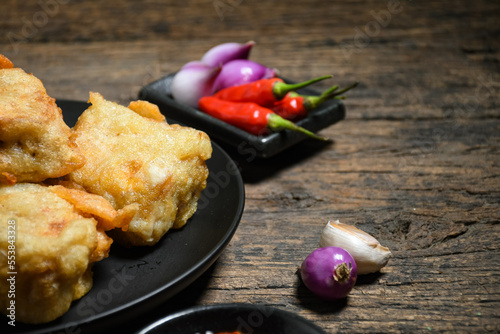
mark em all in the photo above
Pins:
pixel 369 254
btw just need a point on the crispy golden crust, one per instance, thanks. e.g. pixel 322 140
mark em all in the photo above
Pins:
pixel 143 161
pixel 55 246
pixel 5 62
pixel 146 109
pixel 35 143
pixel 98 207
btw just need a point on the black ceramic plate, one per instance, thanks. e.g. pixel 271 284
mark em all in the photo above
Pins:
pixel 244 318
pixel 326 114
pixel 132 281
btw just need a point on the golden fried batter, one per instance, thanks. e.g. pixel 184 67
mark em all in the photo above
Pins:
pixel 133 157
pixel 5 62
pixel 55 246
pixel 35 143
pixel 95 205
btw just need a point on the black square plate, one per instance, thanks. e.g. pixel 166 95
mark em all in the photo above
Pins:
pixel 159 93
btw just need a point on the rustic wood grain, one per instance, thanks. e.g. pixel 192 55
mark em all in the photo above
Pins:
pixel 416 162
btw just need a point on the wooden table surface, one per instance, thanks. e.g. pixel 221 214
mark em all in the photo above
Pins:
pixel 415 162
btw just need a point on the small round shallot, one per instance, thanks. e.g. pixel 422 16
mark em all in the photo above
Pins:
pixel 329 272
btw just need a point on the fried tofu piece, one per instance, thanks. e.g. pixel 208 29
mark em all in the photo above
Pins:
pixel 55 245
pixel 133 157
pixel 35 143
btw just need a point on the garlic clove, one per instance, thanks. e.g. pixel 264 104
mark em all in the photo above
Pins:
pixel 369 254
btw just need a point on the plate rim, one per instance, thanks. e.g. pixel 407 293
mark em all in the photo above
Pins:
pixel 245 307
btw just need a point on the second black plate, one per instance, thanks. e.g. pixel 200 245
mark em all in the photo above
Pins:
pixel 228 318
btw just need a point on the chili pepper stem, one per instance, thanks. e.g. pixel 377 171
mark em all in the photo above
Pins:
pixel 330 90
pixel 314 101
pixel 276 122
pixel 342 91
pixel 280 89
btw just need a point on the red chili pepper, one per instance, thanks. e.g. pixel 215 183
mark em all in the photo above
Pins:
pixel 294 106
pixel 264 92
pixel 291 107
pixel 249 116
